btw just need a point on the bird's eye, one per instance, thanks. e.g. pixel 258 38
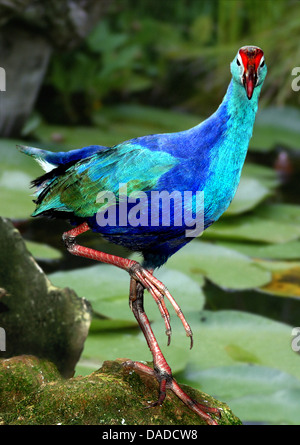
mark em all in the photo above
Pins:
pixel 238 62
pixel 262 63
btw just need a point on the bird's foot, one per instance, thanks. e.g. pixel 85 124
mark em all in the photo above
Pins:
pixel 166 381
pixel 158 291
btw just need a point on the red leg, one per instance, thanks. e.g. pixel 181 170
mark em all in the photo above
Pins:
pixel 141 279
pixel 162 370
pixel 145 277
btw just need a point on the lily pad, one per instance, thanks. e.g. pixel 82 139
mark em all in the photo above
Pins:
pixel 257 393
pixel 253 228
pixel 266 342
pixel 285 117
pixel 267 137
pixel 155 119
pixel 39 250
pixel 107 289
pixel 267 176
pixel 276 126
pixel 286 213
pixel 285 283
pixel 16 173
pixel 225 267
pixel 250 193
pixel 281 251
pixel 15 199
pixel 117 124
pixel 78 137
pixel 271 232
pixel 257 183
pixel 285 278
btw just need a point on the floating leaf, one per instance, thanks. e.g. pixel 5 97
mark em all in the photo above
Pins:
pixel 284 117
pixel 286 283
pixel 257 183
pixel 286 213
pixel 261 340
pixel 39 250
pixel 256 393
pixel 267 176
pixel 253 228
pixel 111 345
pixel 16 172
pixel 107 289
pixel 280 407
pixel 116 124
pixel 225 267
pixel 249 194
pixel 266 138
pixel 78 137
pixel 15 194
pixel 240 354
pixel 282 251
pixel 276 126
pixel 285 279
pixel 156 119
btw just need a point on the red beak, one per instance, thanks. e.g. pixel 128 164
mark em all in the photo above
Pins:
pixel 250 79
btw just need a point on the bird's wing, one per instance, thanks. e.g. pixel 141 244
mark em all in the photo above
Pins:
pixel 75 188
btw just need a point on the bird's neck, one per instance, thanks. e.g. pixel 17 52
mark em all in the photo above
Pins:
pixel 240 109
pixel 239 114
pixel 232 125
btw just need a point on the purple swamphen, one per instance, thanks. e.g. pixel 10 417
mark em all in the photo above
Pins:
pixel 121 192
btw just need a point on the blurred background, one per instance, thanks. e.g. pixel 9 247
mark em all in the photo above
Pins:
pixel 77 73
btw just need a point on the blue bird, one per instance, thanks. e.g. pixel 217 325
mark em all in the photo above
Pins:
pixel 153 195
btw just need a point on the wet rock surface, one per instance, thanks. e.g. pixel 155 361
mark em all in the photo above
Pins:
pixel 37 317
pixel 33 392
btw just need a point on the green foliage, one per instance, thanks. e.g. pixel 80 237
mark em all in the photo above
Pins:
pixel 110 61
pixel 153 55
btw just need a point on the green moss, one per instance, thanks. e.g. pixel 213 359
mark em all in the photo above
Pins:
pixel 20 377
pixel 32 392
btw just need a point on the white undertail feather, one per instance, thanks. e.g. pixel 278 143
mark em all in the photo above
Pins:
pixel 38 155
pixel 45 165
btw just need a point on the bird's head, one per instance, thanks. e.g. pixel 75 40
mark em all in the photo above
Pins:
pixel 248 68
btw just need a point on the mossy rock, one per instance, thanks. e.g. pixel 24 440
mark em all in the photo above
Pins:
pixel 33 392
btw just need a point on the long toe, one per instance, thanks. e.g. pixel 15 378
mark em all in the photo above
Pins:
pixel 166 381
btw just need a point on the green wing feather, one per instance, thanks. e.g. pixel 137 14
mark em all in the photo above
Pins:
pixel 77 188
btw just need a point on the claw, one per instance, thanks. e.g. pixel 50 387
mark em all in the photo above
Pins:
pixel 192 342
pixel 166 381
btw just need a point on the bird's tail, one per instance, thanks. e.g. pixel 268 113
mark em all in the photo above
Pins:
pixel 55 164
pixel 50 160
pixel 43 157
